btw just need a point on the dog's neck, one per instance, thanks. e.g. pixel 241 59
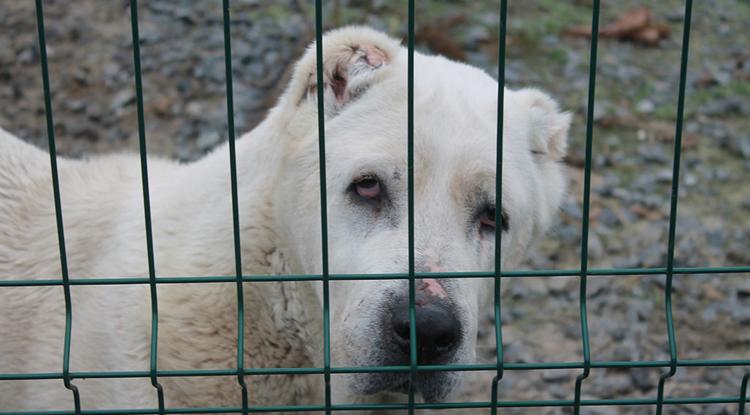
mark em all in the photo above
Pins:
pixel 204 197
pixel 280 314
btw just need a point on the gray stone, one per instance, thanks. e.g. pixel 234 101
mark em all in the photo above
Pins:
pixel 653 153
pixel 725 106
pixel 714 410
pixel 477 34
pixel 664 176
pixel 741 313
pixel 626 349
pixel 603 410
pixel 208 140
pixel 622 194
pixel 29 55
pixel 122 99
pixel 596 248
pixel 517 353
pixel 76 105
pixel 644 379
pixel 738 145
pixel 609 218
pixel 556 376
pixel 690 180
pixel 569 233
pixel 645 107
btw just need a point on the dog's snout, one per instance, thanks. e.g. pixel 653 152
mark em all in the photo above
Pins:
pixel 438 329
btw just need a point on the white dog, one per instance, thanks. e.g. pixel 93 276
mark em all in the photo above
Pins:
pixel 366 128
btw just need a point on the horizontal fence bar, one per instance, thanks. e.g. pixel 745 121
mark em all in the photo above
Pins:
pixel 399 406
pixel 604 272
pixel 612 364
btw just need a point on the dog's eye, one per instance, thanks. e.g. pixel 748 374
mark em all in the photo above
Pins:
pixel 487 219
pixel 367 187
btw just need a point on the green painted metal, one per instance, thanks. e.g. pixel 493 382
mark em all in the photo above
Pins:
pixel 634 272
pixel 235 207
pixel 608 364
pixel 413 368
pixel 586 207
pixel 400 406
pixel 58 207
pixel 673 211
pixel 146 206
pixel 743 394
pixel 497 305
pixel 410 183
pixel 323 204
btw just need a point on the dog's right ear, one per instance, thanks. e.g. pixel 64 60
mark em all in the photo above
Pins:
pixel 354 58
pixel 548 125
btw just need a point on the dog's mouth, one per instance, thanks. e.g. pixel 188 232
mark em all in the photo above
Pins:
pixel 433 387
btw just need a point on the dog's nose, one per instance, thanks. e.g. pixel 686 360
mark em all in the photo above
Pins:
pixel 438 328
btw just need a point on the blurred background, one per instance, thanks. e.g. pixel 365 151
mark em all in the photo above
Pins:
pixel 90 54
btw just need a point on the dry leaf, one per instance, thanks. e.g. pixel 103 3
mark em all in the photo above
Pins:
pixel 630 22
pixel 646 212
pixel 636 25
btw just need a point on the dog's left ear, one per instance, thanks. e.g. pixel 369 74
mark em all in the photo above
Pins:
pixel 548 125
pixel 354 58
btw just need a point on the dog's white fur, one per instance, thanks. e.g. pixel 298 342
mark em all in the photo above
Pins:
pixel 102 206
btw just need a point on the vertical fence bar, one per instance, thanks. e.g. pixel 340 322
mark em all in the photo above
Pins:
pixel 673 209
pixel 586 206
pixel 499 204
pixel 323 204
pixel 146 205
pixel 235 206
pixel 743 394
pixel 58 207
pixel 410 170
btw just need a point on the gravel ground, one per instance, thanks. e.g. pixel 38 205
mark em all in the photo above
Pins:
pixel 182 52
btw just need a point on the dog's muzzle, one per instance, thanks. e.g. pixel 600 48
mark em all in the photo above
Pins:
pixel 438 333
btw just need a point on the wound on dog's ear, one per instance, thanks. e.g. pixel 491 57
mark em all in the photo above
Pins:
pixel 354 58
pixel 348 70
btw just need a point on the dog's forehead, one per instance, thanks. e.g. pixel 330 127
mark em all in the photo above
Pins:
pixel 455 116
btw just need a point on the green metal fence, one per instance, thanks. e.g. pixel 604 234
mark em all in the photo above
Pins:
pixel 494 401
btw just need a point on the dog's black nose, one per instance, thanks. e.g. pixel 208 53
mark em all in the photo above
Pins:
pixel 438 329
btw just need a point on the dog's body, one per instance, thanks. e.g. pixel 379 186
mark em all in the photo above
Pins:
pixel 365 96
pixel 193 236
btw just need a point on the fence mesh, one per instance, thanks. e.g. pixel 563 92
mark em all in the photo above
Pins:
pixel 494 402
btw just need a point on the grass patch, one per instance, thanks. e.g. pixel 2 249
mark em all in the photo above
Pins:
pixel 549 17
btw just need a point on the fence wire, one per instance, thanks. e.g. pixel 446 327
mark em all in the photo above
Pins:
pixel 499 367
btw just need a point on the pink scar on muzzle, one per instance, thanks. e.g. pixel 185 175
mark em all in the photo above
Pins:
pixel 432 287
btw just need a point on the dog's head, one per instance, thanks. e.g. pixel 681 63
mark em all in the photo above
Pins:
pixel 455 212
